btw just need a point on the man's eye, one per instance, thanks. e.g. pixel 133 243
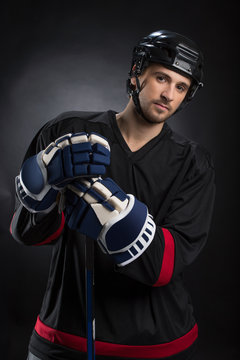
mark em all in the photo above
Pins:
pixel 161 78
pixel 181 88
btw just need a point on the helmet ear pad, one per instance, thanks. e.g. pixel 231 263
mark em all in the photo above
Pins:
pixel 133 84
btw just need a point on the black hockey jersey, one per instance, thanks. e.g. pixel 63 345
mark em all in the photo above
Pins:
pixel 142 310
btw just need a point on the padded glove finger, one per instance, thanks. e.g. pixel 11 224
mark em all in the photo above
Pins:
pixel 97 202
pixel 119 222
pixel 69 157
pixel 75 155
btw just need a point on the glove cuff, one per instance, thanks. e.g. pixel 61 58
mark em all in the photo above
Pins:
pixel 33 177
pixel 127 236
pixel 140 245
pixel 29 201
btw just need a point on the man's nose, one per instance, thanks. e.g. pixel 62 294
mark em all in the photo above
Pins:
pixel 168 93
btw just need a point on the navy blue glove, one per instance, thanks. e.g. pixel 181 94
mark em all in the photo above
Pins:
pixel 67 158
pixel 119 222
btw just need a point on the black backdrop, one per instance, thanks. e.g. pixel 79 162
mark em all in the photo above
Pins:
pixel 60 56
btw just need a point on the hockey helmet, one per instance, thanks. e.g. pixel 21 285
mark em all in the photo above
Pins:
pixel 175 51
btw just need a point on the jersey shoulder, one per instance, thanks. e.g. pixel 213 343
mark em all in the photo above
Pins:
pixel 201 157
pixel 81 116
pixel 69 122
pixel 73 122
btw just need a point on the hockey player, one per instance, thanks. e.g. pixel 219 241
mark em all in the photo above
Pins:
pixel 144 193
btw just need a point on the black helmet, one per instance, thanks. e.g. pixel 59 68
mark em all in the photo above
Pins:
pixel 172 50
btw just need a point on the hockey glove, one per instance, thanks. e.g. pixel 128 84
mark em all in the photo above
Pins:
pixel 119 222
pixel 67 158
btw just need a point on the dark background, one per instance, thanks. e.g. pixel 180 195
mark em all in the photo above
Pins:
pixel 60 56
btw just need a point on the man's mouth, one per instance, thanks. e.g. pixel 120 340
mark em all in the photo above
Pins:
pixel 161 106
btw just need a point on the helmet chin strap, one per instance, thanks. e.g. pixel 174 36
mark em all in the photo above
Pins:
pixel 135 97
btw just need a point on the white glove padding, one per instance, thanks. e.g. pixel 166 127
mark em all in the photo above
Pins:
pixel 67 158
pixel 119 222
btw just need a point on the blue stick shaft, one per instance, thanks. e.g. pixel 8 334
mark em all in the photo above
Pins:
pixel 89 248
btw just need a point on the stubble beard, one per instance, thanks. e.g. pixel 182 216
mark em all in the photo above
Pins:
pixel 153 117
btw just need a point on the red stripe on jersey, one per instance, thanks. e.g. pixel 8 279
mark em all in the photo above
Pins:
pixel 168 259
pixel 55 234
pixel 108 349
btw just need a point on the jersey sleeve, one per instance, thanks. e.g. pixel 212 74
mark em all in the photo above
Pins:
pixel 184 230
pixel 36 229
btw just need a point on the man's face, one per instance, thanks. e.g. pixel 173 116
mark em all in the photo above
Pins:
pixel 163 91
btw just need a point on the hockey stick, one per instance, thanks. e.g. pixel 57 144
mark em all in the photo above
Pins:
pixel 90 316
